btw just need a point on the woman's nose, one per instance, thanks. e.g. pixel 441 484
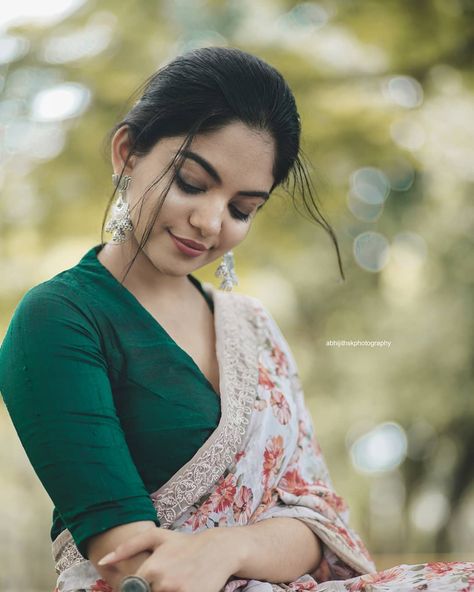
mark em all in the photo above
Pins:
pixel 207 217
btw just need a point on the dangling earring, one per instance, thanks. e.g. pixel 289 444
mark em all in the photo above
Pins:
pixel 120 222
pixel 226 271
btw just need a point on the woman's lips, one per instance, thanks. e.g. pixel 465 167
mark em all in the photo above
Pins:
pixel 185 248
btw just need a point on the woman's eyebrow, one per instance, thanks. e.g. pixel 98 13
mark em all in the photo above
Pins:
pixel 207 166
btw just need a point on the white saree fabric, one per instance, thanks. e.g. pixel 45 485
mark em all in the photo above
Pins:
pixel 263 461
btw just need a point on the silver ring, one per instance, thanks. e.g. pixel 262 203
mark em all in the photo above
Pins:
pixel 134 584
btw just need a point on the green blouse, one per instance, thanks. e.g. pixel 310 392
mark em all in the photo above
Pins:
pixel 106 404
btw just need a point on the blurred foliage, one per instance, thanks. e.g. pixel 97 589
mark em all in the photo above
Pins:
pixel 383 85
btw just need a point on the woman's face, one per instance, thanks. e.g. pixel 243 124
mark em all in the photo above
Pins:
pixel 225 177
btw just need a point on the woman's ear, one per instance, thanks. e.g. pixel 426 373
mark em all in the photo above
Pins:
pixel 120 147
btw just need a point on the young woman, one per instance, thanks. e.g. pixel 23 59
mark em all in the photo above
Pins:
pixel 153 406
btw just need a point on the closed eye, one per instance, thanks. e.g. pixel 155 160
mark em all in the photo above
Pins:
pixel 187 188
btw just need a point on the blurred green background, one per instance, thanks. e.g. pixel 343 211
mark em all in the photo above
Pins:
pixel 385 93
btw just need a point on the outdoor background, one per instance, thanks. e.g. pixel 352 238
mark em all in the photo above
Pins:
pixel 385 93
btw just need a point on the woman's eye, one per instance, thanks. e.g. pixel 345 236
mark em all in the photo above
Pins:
pixel 236 213
pixel 187 188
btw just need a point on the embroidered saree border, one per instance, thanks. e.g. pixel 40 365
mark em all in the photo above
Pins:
pixel 237 352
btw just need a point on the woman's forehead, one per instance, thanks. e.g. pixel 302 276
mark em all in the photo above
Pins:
pixel 226 152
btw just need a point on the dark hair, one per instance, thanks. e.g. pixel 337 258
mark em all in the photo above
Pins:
pixel 205 89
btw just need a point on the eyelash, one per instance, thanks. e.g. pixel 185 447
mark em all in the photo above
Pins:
pixel 235 212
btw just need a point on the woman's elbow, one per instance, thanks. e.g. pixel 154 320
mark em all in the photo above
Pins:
pixel 100 544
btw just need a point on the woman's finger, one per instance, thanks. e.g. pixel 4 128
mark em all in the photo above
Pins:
pixel 142 541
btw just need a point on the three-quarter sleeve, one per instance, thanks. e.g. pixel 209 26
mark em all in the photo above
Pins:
pixel 55 384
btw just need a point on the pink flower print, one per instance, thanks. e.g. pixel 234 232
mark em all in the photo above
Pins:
pixel 272 458
pixel 335 501
pixel 222 521
pixel 438 568
pixel 470 582
pixel 306 433
pixel 260 404
pixel 293 482
pixel 243 504
pixel 225 493
pixel 239 455
pixel 280 359
pixel 281 409
pixel 101 586
pixel 388 575
pixel 264 377
pixel 269 499
pixel 345 535
pixel 316 446
pixel 303 432
pixel 199 519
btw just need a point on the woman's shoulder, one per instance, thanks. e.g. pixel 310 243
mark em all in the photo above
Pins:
pixel 54 300
pixel 54 288
pixel 48 318
pixel 78 286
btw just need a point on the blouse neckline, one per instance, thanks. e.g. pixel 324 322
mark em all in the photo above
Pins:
pixel 92 256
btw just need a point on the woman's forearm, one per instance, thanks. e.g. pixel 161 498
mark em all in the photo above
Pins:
pixel 107 541
pixel 274 550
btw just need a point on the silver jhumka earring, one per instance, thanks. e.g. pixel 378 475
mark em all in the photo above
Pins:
pixel 120 222
pixel 226 271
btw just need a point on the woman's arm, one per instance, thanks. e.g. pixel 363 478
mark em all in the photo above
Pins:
pixel 105 542
pixel 274 550
pixel 54 379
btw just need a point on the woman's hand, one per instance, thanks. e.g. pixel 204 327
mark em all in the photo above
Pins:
pixel 199 562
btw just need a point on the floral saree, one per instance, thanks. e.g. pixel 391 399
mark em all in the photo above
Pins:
pixel 263 461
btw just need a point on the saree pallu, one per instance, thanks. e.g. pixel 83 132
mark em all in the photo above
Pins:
pixel 264 461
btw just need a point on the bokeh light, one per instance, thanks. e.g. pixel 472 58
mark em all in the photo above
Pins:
pixel 409 249
pixel 13 47
pixel 404 91
pixel 60 102
pixel 44 12
pixel 362 210
pixel 400 173
pixel 304 18
pixel 371 250
pixel 39 141
pixel 370 185
pixel 408 133
pixel 83 43
pixel 429 510
pixel 382 449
